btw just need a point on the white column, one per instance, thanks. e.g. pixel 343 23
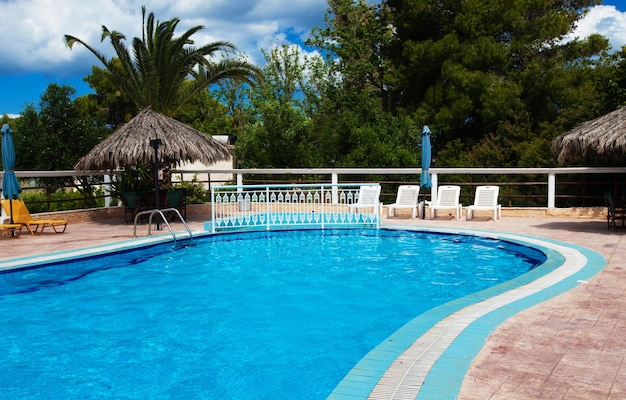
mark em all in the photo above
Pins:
pixel 107 190
pixel 334 179
pixel 433 187
pixel 240 182
pixel 551 190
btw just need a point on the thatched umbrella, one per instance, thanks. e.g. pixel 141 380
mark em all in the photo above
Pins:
pixel 131 144
pixel 601 139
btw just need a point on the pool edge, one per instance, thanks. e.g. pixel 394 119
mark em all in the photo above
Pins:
pixel 118 246
pixel 447 371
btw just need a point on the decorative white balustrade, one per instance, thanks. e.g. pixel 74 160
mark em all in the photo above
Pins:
pixel 275 206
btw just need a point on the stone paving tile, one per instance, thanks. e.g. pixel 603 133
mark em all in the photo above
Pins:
pixel 526 386
pixel 582 330
pixel 618 390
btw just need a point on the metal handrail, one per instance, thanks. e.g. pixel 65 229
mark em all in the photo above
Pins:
pixel 160 212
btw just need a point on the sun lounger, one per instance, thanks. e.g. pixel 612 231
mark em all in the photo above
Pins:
pixel 368 199
pixel 448 198
pixel 486 199
pixel 406 199
pixel 22 216
pixel 10 230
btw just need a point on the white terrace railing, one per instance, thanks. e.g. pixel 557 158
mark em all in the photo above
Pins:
pixel 547 181
pixel 544 187
pixel 306 205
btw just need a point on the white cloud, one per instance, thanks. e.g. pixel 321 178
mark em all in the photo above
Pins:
pixel 32 30
pixel 32 38
pixel 605 20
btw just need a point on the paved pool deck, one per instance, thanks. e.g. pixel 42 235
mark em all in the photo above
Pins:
pixel 572 346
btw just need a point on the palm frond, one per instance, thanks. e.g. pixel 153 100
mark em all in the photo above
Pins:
pixel 154 74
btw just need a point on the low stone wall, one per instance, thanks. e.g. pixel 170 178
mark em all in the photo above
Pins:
pixel 97 214
pixel 570 212
pixel 86 215
pixel 199 209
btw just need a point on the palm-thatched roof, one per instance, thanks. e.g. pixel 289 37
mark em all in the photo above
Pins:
pixel 601 139
pixel 130 144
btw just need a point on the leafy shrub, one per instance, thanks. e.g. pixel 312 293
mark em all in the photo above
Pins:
pixel 59 201
pixel 195 193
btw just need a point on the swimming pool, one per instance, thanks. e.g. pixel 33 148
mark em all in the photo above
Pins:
pixel 90 330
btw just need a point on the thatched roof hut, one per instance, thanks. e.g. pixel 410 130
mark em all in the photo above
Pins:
pixel 130 144
pixel 601 139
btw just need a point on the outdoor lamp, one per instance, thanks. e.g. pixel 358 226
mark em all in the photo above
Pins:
pixel 155 143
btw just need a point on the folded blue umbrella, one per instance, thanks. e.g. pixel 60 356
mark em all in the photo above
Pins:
pixel 11 188
pixel 425 179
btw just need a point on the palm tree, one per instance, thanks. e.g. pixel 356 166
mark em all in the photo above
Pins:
pixel 164 72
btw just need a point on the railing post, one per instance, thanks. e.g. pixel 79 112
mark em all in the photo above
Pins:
pixel 322 210
pixel 239 181
pixel 551 190
pixel 334 180
pixel 213 210
pixel 433 187
pixel 267 207
pixel 107 190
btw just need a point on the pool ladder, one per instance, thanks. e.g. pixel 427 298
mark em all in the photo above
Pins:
pixel 160 212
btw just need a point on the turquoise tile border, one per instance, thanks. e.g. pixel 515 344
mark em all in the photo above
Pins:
pixel 446 375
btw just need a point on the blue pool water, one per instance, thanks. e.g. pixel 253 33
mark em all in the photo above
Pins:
pixel 263 315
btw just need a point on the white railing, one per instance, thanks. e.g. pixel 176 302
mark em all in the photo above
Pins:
pixel 334 174
pixel 307 205
pixel 547 181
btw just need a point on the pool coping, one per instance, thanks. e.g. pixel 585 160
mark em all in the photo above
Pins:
pixel 122 245
pixel 429 356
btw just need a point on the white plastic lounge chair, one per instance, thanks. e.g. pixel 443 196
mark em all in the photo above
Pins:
pixel 406 198
pixel 485 199
pixel 447 199
pixel 368 198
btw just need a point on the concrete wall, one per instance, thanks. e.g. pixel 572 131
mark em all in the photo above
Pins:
pixel 215 178
pixel 99 214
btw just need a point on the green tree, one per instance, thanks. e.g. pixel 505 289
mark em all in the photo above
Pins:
pixel 206 114
pixel 114 106
pixel 354 42
pixel 353 123
pixel 496 76
pixel 56 134
pixel 611 82
pixel 27 132
pixel 161 62
pixel 281 134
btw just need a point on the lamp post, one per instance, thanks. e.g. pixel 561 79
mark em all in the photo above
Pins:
pixel 155 143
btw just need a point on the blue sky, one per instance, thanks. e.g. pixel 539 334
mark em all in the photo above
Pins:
pixel 33 54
